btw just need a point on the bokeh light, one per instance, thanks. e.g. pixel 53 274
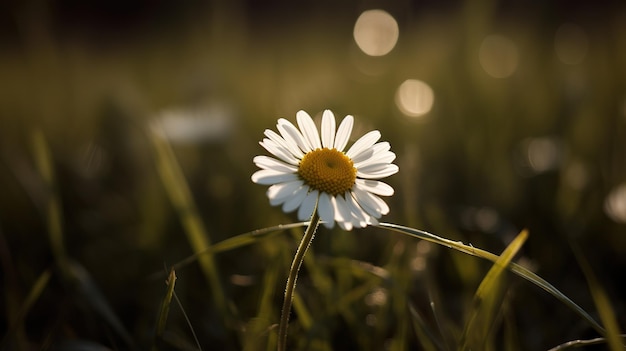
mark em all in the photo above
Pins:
pixel 376 32
pixel 498 56
pixel 544 154
pixel 571 44
pixel 415 98
pixel 615 204
pixel 539 155
pixel 214 123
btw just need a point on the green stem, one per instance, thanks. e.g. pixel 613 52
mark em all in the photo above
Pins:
pixel 293 276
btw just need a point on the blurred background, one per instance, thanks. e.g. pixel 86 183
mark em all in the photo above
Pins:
pixel 504 115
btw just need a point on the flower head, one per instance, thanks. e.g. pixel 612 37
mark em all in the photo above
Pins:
pixel 309 169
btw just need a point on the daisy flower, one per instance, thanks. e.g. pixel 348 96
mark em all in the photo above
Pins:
pixel 309 170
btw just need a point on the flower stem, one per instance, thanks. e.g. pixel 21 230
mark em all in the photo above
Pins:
pixel 293 276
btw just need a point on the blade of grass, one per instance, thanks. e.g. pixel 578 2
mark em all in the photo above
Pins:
pixel 239 241
pixel 304 316
pixel 86 288
pixel 180 196
pixel 375 276
pixel 257 329
pixel 481 318
pixel 511 330
pixel 442 326
pixel 424 336
pixel 578 343
pixel 513 267
pixel 35 292
pixel 396 266
pixel 53 215
pixel 165 308
pixel 193 332
pixel 607 315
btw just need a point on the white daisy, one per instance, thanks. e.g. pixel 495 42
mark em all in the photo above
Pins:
pixel 308 169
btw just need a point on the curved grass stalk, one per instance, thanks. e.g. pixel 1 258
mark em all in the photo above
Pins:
pixel 232 243
pixel 513 267
pixel 579 343
pixel 293 277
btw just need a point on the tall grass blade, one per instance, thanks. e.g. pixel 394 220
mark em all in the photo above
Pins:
pixel 487 297
pixel 165 309
pixel 179 194
pixel 304 316
pixel 193 332
pixel 256 335
pixel 607 314
pixel 18 324
pixel 53 212
pixel 87 289
pixel 513 267
pixel 424 335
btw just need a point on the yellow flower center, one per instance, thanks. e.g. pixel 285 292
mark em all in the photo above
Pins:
pixel 327 170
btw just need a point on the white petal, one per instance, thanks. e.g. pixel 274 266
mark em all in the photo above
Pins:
pixel 308 206
pixel 293 202
pixel 342 213
pixel 268 177
pixel 382 173
pixel 355 210
pixel 382 146
pixel 266 162
pixel 374 187
pixel 374 167
pixel 372 204
pixel 328 129
pixel 371 152
pixel 372 221
pixel 279 151
pixel 363 156
pixel 309 130
pixel 381 157
pixel 343 133
pixel 293 137
pixel 347 225
pixel 326 210
pixel 366 203
pixel 339 214
pixel 279 140
pixel 363 143
pixel 279 143
pixel 278 193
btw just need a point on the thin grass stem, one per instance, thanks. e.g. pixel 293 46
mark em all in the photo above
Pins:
pixel 165 308
pixel 293 276
pixel 178 191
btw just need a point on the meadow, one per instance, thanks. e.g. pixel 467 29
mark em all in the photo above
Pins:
pixel 129 220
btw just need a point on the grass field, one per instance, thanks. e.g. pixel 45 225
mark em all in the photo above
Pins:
pixel 129 221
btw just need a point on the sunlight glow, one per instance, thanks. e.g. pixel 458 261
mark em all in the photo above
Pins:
pixel 414 98
pixel 498 56
pixel 376 32
pixel 615 204
pixel 571 44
